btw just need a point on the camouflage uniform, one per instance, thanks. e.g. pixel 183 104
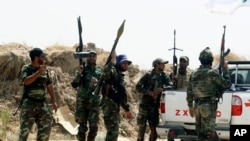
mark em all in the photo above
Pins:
pixel 114 96
pixel 87 104
pixel 148 107
pixel 204 85
pixel 34 106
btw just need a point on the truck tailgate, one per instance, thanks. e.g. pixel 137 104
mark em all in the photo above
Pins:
pixel 176 109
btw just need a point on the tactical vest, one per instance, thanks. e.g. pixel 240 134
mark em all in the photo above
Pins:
pixel 182 81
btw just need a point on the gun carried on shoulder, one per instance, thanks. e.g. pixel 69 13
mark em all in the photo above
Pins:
pixel 119 33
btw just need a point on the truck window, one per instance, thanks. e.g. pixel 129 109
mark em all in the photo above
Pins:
pixel 239 79
pixel 247 81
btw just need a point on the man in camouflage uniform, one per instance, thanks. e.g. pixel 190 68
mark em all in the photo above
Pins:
pixel 150 86
pixel 203 85
pixel 87 104
pixel 182 77
pixel 34 106
pixel 114 95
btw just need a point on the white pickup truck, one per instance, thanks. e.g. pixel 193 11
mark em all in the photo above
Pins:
pixel 234 109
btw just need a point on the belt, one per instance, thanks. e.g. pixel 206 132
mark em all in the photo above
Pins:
pixel 207 100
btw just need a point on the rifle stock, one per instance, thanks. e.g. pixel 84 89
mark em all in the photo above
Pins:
pixel 119 33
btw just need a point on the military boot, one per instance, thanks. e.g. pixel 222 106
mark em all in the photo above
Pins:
pixel 153 134
pixel 81 137
pixel 90 138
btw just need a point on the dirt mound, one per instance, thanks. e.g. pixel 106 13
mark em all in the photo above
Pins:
pixel 61 65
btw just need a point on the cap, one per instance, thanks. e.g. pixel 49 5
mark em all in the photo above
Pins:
pixel 37 52
pixel 185 58
pixel 121 58
pixel 92 51
pixel 159 61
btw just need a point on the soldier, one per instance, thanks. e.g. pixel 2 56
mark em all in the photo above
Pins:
pixel 150 86
pixel 34 105
pixel 114 95
pixel 182 77
pixel 87 104
pixel 203 84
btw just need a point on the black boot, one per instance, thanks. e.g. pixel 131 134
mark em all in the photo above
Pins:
pixel 81 137
pixel 153 134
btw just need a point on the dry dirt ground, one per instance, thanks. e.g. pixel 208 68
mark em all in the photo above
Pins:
pixel 61 66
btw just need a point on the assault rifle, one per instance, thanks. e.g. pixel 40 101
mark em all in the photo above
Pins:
pixel 223 54
pixel 119 33
pixel 19 105
pixel 175 61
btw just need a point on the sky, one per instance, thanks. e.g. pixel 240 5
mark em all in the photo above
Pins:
pixel 148 31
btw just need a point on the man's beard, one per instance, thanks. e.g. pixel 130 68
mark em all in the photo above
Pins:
pixel 40 62
pixel 182 71
pixel 161 69
pixel 121 69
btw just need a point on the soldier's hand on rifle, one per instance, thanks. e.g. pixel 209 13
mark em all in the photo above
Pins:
pixel 94 81
pixel 173 78
pixel 80 69
pixel 191 111
pixel 151 93
pixel 225 66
